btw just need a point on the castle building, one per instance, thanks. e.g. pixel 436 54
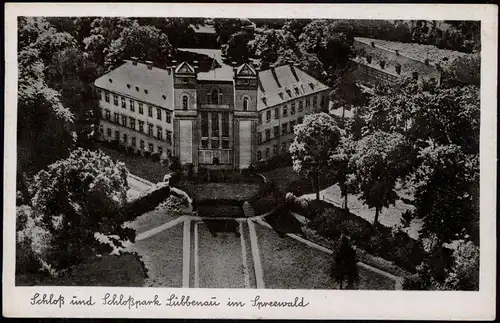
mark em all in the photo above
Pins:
pixel 228 117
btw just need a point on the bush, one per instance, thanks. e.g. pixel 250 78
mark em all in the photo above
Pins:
pixel 146 202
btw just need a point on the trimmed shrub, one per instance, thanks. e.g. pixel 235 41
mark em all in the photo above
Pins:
pixel 155 157
pixel 146 203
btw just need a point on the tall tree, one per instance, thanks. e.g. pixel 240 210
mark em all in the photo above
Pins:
pixel 72 200
pixel 227 27
pixel 144 42
pixel 71 72
pixel 315 140
pixel 44 124
pixel 377 164
pixel 238 49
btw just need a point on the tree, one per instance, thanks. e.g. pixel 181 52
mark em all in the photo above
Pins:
pixel 178 30
pixel 51 42
pixel 266 46
pixel 144 42
pixel 344 267
pixel 237 47
pixel 464 70
pixel 339 162
pixel 447 193
pixel 315 140
pixel 377 162
pixel 29 29
pixel 44 124
pixel 75 199
pixel 103 32
pixel 72 73
pixel 307 62
pixel 225 28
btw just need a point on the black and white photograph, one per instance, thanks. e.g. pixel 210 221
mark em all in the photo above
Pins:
pixel 248 153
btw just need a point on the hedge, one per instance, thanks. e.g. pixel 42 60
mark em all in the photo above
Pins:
pixel 145 203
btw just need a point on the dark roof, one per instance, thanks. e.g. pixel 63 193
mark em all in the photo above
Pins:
pixel 153 85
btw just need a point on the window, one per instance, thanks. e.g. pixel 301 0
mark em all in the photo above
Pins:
pixel 259 155
pixel 276 113
pixel 283 147
pixel 99 94
pixel 301 106
pixel 214 97
pixel 169 117
pixel 124 103
pixel 109 132
pixel 133 142
pixel 132 105
pixel 158 113
pixel 125 138
pixel 415 75
pixel 132 123
pixel 150 147
pixel 142 145
pixel 322 101
pixel 308 101
pixel 150 111
pixel 124 120
pixel 292 109
pixel 185 102
pixel 141 109
pixel 267 152
pixel 160 150
pixel 225 143
pixel 284 128
pixel 115 99
pixel 268 115
pixel 275 150
pixel 159 132
pixel 268 134
pixel 215 143
pixel 108 115
pixel 204 143
pixel 300 120
pixel 215 125
pixel 285 111
pixel 225 124
pixel 259 138
pixel 204 124
pixel 245 104
pixel 169 136
pixel 116 118
pixel 276 131
pixel 141 126
pixel 315 101
pixel 292 125
pixel 101 129
pixel 117 135
pixel 106 96
pixel 150 129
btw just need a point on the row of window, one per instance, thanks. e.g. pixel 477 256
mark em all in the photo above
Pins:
pixel 266 116
pixel 132 125
pixel 131 106
pixel 276 150
pixel 285 129
pixel 133 141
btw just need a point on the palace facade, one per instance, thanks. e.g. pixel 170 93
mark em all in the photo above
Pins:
pixel 225 117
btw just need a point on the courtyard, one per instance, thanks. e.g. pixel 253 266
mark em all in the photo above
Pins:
pixel 197 252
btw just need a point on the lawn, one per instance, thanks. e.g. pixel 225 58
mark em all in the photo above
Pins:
pixel 152 219
pixel 389 217
pixel 290 264
pixel 220 259
pixel 162 255
pixel 111 270
pixel 137 165
pixel 288 180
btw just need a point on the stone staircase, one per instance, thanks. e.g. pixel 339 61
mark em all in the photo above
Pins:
pixel 248 210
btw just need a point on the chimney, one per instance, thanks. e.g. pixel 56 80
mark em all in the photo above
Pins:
pixel 426 62
pixel 294 72
pixel 196 66
pixel 134 60
pixel 149 64
pixel 398 68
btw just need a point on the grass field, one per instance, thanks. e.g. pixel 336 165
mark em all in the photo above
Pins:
pixel 162 255
pixel 217 191
pixel 137 165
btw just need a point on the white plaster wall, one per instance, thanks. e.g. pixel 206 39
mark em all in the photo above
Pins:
pixel 245 143
pixel 186 141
